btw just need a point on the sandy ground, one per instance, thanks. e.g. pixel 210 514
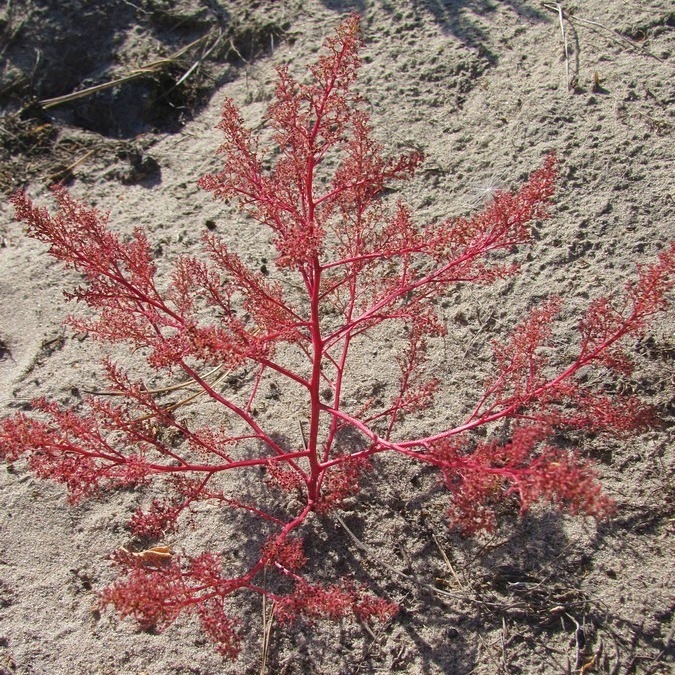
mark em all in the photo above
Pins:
pixel 484 89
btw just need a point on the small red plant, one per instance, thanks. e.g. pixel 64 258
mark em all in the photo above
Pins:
pixel 345 265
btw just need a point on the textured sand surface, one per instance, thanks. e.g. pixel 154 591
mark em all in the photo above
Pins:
pixel 484 89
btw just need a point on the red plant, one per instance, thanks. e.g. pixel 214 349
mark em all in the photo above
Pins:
pixel 345 265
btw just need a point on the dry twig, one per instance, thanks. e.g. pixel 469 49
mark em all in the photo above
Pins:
pixel 134 74
pixel 598 27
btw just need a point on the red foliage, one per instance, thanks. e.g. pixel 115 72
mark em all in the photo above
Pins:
pixel 357 266
pixel 313 602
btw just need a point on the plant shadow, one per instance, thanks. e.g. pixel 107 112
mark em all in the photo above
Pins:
pixel 459 18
